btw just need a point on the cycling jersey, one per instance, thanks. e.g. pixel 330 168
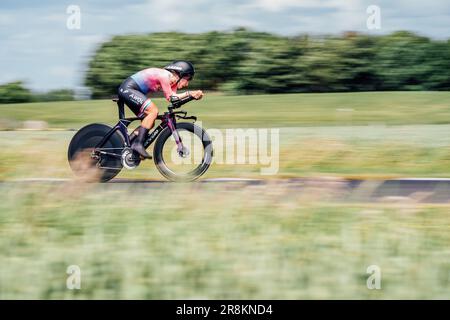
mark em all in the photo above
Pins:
pixel 133 90
pixel 155 79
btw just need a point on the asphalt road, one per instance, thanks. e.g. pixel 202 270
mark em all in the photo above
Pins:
pixel 412 190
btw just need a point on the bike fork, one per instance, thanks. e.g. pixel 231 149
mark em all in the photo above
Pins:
pixel 177 137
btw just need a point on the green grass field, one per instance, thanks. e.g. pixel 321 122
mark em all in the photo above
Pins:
pixel 284 110
pixel 184 241
pixel 225 241
pixel 384 134
pixel 368 152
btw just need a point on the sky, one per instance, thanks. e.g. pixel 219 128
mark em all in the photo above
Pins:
pixel 37 47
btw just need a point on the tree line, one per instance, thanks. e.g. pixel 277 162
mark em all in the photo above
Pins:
pixel 247 62
pixel 17 92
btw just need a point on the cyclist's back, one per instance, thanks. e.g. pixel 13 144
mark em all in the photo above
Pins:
pixel 155 79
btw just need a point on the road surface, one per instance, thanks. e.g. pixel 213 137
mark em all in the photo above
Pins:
pixel 413 190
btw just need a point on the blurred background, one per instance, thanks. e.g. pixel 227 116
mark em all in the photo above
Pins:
pixel 358 90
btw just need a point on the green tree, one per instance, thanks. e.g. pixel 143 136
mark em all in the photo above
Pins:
pixel 244 61
pixel 14 92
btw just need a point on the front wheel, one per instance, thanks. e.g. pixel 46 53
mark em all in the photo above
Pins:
pixel 187 164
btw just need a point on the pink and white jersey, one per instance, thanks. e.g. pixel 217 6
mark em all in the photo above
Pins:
pixel 155 79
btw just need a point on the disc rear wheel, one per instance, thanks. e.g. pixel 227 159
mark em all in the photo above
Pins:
pixel 91 164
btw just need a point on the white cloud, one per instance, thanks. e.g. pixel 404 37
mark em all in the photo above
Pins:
pixel 278 5
pixel 24 36
pixel 88 39
pixel 171 14
pixel 6 19
pixel 61 71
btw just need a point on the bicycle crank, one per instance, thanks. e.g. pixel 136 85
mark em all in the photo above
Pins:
pixel 130 159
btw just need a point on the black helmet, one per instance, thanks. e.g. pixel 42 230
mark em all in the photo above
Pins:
pixel 182 68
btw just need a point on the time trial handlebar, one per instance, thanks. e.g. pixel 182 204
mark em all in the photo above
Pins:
pixel 176 102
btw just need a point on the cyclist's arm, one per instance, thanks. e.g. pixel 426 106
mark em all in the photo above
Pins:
pixel 182 95
pixel 172 91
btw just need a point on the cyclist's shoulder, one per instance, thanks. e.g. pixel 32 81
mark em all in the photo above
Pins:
pixel 156 74
pixel 152 71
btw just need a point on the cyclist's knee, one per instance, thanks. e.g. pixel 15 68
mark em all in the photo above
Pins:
pixel 153 110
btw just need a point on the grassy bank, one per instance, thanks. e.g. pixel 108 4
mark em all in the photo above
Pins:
pixel 372 134
pixel 333 109
pixel 370 152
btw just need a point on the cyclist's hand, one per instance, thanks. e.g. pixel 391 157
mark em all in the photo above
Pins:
pixel 198 94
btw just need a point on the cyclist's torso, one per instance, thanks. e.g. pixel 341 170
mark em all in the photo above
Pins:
pixel 154 79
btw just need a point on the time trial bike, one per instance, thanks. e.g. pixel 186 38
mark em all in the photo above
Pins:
pixel 182 152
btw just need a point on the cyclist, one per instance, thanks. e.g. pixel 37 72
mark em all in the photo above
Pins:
pixel 134 89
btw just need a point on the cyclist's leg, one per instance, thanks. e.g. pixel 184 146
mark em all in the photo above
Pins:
pixel 133 98
pixel 138 103
pixel 141 106
pixel 150 111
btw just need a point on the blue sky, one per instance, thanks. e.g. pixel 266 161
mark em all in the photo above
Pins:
pixel 37 47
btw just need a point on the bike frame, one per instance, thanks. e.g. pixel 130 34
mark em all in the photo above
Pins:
pixel 168 119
